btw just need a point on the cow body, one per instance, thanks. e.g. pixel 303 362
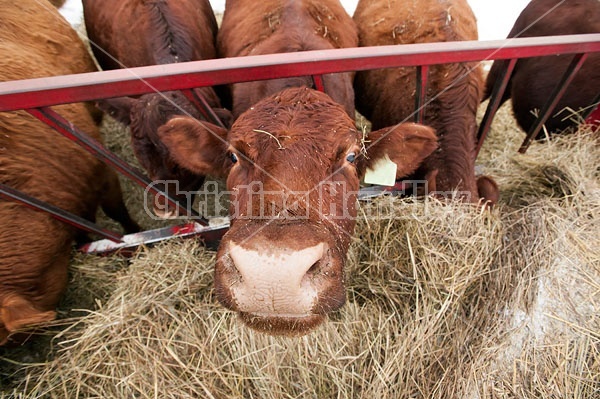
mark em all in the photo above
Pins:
pixel 133 33
pixel 387 96
pixel 293 163
pixel 282 26
pixel 35 41
pixel 534 79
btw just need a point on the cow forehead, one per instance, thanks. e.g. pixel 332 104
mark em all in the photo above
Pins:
pixel 297 156
pixel 286 139
pixel 297 120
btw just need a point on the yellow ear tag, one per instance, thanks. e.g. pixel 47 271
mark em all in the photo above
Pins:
pixel 383 172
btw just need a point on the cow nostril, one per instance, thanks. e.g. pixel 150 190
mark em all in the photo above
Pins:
pixel 315 268
pixel 320 266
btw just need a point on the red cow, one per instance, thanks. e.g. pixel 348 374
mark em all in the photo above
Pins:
pixel 293 162
pixel 252 27
pixel 534 79
pixel 35 41
pixel 133 33
pixel 387 96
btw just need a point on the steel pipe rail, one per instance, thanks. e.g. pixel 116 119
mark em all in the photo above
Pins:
pixel 57 213
pixel 553 100
pixel 42 92
pixel 92 146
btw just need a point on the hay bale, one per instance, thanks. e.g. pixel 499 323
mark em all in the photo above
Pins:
pixel 161 327
pixel 433 298
pixel 548 335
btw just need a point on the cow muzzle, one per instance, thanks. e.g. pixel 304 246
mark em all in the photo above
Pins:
pixel 277 289
pixel 276 282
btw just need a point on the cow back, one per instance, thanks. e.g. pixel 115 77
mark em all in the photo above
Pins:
pixel 534 79
pixel 396 22
pixel 557 17
pixel 249 26
pixel 133 33
pixel 279 26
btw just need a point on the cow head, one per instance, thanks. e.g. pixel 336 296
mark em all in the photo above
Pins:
pixel 293 164
pixel 144 115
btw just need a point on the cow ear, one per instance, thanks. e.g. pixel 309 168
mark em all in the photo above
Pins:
pixel 197 146
pixel 118 108
pixel 17 312
pixel 405 144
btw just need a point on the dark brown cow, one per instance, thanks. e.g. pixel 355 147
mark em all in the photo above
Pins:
pixel 252 27
pixel 35 248
pixel 387 96
pixel 293 163
pixel 133 33
pixel 534 79
pixel 57 3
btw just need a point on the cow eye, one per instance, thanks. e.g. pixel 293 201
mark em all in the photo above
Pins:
pixel 351 157
pixel 233 158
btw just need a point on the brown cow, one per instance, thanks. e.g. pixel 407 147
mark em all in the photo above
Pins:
pixel 133 33
pixel 57 3
pixel 293 162
pixel 35 41
pixel 387 96
pixel 534 79
pixel 252 27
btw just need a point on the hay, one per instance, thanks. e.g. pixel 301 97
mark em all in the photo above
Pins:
pixel 117 139
pixel 444 301
pixel 557 167
pixel 432 304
